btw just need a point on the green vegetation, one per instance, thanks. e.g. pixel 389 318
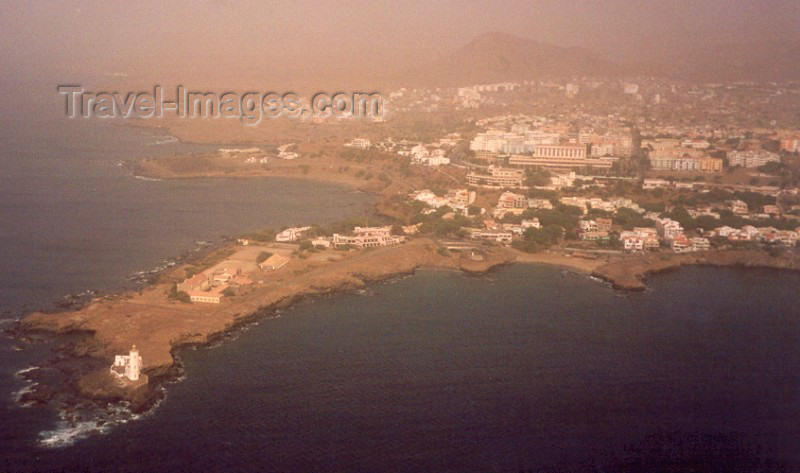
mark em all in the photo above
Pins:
pixel 345 226
pixel 727 218
pixel 261 236
pixel 434 224
pixel 753 200
pixel 536 239
pixel 177 295
pixel 474 210
pixel 564 216
pixel 263 256
pixel 541 178
pixel 628 218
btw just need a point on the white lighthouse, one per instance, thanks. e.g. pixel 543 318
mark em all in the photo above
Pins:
pixel 134 366
pixel 129 366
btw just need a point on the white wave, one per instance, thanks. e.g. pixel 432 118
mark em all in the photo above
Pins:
pixel 165 140
pixel 23 391
pixel 146 178
pixel 69 430
pixel 67 433
pixel 26 370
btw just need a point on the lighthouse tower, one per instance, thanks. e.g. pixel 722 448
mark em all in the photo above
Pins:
pixel 134 365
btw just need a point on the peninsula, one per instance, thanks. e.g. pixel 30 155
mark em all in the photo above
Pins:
pixel 462 184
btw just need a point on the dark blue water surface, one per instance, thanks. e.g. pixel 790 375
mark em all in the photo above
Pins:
pixel 72 219
pixel 524 369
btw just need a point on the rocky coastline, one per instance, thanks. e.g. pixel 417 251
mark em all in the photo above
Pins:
pixel 630 274
pixel 108 327
pixel 94 337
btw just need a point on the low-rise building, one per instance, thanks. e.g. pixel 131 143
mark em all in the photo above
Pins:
pixel 361 143
pixel 275 262
pixel 655 184
pixel 594 235
pixel 738 207
pixel 500 236
pixel 208 297
pixel 681 244
pixel 461 197
pixel 532 223
pixel 604 224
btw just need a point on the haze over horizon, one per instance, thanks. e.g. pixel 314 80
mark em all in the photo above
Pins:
pixel 370 41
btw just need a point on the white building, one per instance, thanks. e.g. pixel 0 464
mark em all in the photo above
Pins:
pixel 668 229
pixel 128 366
pixel 700 244
pixel 368 237
pixel 291 234
pixel 752 159
pixel 361 143
pixel 533 223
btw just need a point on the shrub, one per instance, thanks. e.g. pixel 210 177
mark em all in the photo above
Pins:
pixel 263 256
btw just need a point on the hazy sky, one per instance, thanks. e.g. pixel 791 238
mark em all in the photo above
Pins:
pixel 78 37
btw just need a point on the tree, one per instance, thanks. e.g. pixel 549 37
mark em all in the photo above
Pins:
pixel 177 295
pixel 263 256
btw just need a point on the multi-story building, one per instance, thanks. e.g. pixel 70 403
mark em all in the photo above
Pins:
pixel 668 229
pixel 661 162
pixel 368 237
pixel 604 224
pixel 752 159
pixel 291 234
pixel 497 177
pixel 509 200
pixel 738 207
pixel 461 197
pixel 699 244
pixel 540 204
pixel 500 236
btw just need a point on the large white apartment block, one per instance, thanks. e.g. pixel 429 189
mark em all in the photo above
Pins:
pixel 752 159
pixel 291 234
pixel 497 177
pixel 668 229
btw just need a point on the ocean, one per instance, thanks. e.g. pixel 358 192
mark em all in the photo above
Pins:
pixel 525 369
pixel 529 368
